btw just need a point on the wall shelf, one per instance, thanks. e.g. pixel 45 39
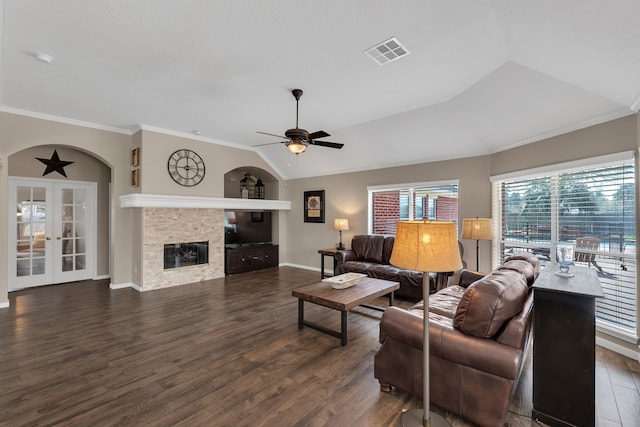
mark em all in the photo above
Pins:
pixel 138 200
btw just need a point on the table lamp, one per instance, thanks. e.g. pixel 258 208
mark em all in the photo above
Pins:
pixel 427 246
pixel 477 229
pixel 340 224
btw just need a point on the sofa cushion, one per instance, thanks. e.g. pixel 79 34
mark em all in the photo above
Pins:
pixel 387 249
pixel 355 267
pixel 489 302
pixel 384 272
pixel 444 302
pixel 368 247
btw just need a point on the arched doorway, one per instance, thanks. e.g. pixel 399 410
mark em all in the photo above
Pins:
pixel 59 225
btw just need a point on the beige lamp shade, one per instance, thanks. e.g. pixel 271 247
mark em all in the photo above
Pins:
pixel 477 229
pixel 428 246
pixel 341 224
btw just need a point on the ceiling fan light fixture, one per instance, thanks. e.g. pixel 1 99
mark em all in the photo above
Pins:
pixel 296 146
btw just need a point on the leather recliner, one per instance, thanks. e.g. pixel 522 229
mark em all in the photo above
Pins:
pixel 478 335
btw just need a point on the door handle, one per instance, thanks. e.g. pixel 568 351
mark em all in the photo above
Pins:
pixel 58 238
pixel 48 238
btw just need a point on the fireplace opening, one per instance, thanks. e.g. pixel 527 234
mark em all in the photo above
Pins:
pixel 178 255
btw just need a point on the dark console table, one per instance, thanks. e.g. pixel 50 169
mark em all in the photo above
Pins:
pixel 564 347
pixel 243 258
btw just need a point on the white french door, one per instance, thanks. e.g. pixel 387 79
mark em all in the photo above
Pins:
pixel 54 237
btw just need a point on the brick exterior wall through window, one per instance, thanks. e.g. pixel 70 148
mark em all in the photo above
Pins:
pixel 386 211
pixel 447 209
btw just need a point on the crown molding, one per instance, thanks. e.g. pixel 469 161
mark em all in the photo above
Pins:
pixel 193 136
pixel 66 120
pixel 139 200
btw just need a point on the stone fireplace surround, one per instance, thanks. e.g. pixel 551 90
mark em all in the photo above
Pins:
pixel 170 219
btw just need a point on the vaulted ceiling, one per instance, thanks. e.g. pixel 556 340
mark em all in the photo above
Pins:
pixel 481 76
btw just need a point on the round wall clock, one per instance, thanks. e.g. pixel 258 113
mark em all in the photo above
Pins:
pixel 186 167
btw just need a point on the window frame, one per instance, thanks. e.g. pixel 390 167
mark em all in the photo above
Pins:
pixel 411 187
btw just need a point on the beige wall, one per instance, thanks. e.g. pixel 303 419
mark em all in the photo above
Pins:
pixel 156 149
pixel 610 137
pixel 346 197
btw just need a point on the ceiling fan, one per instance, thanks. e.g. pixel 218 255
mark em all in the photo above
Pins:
pixel 298 139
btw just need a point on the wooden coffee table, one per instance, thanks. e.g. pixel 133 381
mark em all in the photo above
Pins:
pixel 323 294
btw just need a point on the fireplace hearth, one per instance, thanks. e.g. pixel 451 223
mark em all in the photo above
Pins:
pixel 178 255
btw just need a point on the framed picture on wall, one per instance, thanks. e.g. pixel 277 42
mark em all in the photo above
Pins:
pixel 135 157
pixel 135 177
pixel 314 206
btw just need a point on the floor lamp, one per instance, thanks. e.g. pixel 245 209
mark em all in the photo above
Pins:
pixel 427 246
pixel 477 229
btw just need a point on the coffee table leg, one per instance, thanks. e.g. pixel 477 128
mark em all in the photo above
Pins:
pixel 391 298
pixel 343 328
pixel 300 313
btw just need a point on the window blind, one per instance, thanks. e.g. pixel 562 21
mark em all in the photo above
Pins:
pixel 592 207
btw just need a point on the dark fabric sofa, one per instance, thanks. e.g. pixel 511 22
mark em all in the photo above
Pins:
pixel 370 254
pixel 479 334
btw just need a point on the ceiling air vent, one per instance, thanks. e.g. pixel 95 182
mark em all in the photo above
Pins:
pixel 387 51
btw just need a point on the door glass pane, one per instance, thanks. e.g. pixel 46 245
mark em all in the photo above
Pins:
pixel 37 266
pixel 67 213
pixel 67 196
pixel 73 229
pixel 23 267
pixel 80 246
pixel 30 230
pixel 67 263
pixel 81 262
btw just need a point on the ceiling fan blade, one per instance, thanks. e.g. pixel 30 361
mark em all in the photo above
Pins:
pixel 327 144
pixel 272 134
pixel 270 143
pixel 318 134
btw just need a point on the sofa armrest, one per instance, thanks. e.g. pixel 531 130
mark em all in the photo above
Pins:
pixel 403 326
pixel 450 344
pixel 344 256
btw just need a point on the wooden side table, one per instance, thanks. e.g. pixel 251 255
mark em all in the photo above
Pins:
pixel 323 253
pixel 564 347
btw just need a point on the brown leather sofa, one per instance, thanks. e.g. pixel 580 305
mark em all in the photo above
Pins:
pixel 370 255
pixel 479 334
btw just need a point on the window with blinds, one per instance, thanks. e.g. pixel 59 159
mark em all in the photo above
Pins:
pixel 387 205
pixel 592 207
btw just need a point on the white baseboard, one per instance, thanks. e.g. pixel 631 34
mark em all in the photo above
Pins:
pixel 125 285
pixel 635 355
pixel 4 304
pixel 104 276
pixel 306 267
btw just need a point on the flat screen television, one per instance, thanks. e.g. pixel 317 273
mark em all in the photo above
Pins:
pixel 245 228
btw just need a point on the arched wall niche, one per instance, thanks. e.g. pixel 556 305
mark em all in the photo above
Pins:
pixel 232 190
pixel 232 182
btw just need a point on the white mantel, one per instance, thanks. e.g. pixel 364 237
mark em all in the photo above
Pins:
pixel 138 200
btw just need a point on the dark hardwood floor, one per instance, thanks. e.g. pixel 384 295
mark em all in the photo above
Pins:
pixel 225 352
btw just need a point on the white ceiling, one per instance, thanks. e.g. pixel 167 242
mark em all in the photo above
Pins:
pixel 482 75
